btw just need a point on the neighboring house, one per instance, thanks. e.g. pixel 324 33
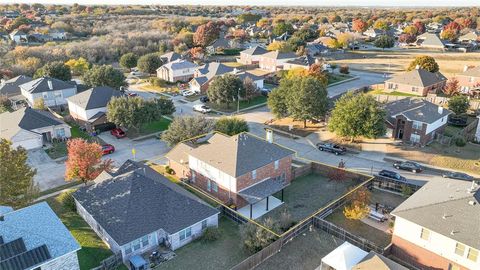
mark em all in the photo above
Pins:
pixel 469 79
pixel 10 88
pixel 169 57
pixel 18 36
pixel 417 81
pixel 38 38
pixel 438 226
pixel 203 75
pixel 58 34
pixel 241 170
pixel 373 33
pixel 177 70
pixel 430 41
pixel 32 128
pixel 300 62
pixel 89 107
pixel 34 238
pixel 274 60
pixel 316 49
pixel 136 209
pixel 53 91
pixel 415 120
pixel 251 56
pixel 472 36
pixel 218 46
pixel 257 80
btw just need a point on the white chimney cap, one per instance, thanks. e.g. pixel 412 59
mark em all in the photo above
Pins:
pixel 440 109
pixel 417 67
pixel 269 135
pixel 50 84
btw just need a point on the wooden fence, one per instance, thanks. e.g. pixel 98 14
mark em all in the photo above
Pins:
pixel 259 257
pixel 110 263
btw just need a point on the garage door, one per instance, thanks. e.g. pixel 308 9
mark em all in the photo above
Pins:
pixel 29 143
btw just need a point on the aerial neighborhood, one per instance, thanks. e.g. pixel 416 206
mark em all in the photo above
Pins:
pixel 239 137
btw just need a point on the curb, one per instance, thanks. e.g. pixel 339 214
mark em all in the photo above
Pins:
pixel 344 81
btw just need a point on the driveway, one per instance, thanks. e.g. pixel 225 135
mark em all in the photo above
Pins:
pixel 50 174
pixel 365 79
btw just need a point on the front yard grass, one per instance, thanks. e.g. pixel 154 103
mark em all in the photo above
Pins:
pixel 223 253
pixel 149 128
pixel 93 249
pixel 394 93
pixel 335 78
pixel 243 104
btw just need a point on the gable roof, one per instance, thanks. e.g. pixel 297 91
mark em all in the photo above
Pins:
pixel 213 69
pixel 40 85
pixel 96 97
pixel 137 201
pixel 257 50
pixel 306 61
pixel 449 207
pixel 377 262
pixel 416 109
pixel 430 39
pixel 238 154
pixel 11 87
pixel 170 56
pixel 418 77
pixel 178 64
pixel 472 72
pixel 344 257
pixel 279 55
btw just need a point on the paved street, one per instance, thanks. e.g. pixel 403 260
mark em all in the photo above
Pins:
pixel 365 79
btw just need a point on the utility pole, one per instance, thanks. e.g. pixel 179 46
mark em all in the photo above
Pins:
pixel 238 100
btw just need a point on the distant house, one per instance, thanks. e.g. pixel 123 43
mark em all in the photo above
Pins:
pixel 136 209
pixel 34 238
pixel 58 34
pixel 430 41
pixel 300 62
pixel 274 60
pixel 53 91
pixel 472 36
pixel 417 81
pixel 18 36
pixel 177 70
pixel 373 33
pixel 251 56
pixel 242 170
pixel 316 49
pixel 37 38
pixel 11 87
pixel 438 226
pixel 257 80
pixel 32 128
pixel 169 57
pixel 469 79
pixel 89 107
pixel 415 121
pixel 203 75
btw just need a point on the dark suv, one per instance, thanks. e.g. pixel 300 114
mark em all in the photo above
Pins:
pixel 392 175
pixel 408 166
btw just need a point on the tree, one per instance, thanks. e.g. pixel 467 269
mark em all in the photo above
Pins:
pixel 255 238
pixel 126 112
pixel 420 27
pixel 459 104
pixel 406 38
pixel 359 26
pixel 281 46
pixel 381 25
pixel 57 70
pixel 452 87
pixel 129 60
pixel 357 206
pixel 16 177
pixel 206 34
pixel 149 63
pixel 78 66
pixel 251 89
pixel 384 41
pixel 449 34
pixel 39 104
pixel 84 160
pixel 344 39
pixel 226 89
pixel 281 28
pixel 187 127
pixel 277 103
pixel 336 175
pixel 104 76
pixel 424 61
pixel 231 125
pixel 410 30
pixel 357 115
pixel 248 17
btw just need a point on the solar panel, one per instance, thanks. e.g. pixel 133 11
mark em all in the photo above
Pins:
pixel 12 248
pixel 26 259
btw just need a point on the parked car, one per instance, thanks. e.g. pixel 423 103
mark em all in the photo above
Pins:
pixel 118 133
pixel 331 147
pixel 392 175
pixel 408 166
pixel 130 94
pixel 187 93
pixel 265 92
pixel 202 108
pixel 107 149
pixel 458 175
pixel 204 99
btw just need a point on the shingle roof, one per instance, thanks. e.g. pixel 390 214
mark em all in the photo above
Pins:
pixel 260 191
pixel 448 207
pixel 213 69
pixel 11 87
pixel 257 50
pixel 170 56
pixel 239 154
pixel 178 64
pixel 41 85
pixel 374 261
pixel 279 55
pixel 96 97
pixel 416 110
pixel 306 60
pixel 418 77
pixel 472 72
pixel 180 153
pixel 138 201
pixel 430 39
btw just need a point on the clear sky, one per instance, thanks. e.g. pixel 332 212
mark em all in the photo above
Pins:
pixel 406 3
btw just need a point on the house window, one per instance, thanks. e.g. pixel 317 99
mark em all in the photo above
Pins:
pixel 145 241
pixel 414 138
pixel 209 185
pixel 204 224
pixel 460 249
pixel 417 125
pixel 128 250
pixel 472 254
pixel 254 174
pixel 276 164
pixel 60 133
pixel 184 234
pixel 414 89
pixel 137 245
pixel 425 234
pixel 57 94
pixel 214 186
pixel 45 95
pixel 453 267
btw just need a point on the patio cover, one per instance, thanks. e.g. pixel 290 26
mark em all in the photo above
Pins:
pixel 262 190
pixel 344 257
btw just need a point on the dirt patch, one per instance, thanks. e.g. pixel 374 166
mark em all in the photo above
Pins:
pixel 296 127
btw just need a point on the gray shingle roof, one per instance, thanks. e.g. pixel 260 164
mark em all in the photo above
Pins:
pixel 213 69
pixel 447 208
pixel 429 39
pixel 138 201
pixel 306 61
pixel 40 85
pixel 96 97
pixel 170 56
pixel 178 64
pixel 416 110
pixel 257 50
pixel 260 191
pixel 279 55
pixel 418 77
pixel 11 87
pixel 239 154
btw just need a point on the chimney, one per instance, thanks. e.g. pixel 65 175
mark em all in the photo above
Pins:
pixel 269 135
pixel 50 85
pixel 417 67
pixel 465 68
pixel 235 70
pixel 440 110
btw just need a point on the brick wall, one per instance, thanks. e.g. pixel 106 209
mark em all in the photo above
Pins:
pixel 268 171
pixel 421 91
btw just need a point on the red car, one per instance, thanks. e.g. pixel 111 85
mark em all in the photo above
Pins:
pixel 118 133
pixel 107 149
pixel 132 94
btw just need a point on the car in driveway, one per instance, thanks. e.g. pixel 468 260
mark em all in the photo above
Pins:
pixel 187 93
pixel 118 133
pixel 458 176
pixel 131 94
pixel 408 166
pixel 332 147
pixel 107 149
pixel 392 175
pixel 204 99
pixel 202 108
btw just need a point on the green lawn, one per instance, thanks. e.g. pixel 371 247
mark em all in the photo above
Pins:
pixel 394 93
pixel 93 249
pixel 243 104
pixel 58 150
pixel 222 253
pixel 335 78
pixel 149 128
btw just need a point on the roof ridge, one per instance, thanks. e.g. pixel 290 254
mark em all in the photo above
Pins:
pixel 431 204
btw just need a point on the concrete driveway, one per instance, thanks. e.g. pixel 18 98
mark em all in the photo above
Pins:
pixel 50 174
pixel 365 79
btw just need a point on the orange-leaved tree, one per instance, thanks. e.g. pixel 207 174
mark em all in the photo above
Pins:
pixel 357 206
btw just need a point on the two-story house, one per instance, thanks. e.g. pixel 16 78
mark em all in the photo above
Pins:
pixel 177 70
pixel 54 92
pixel 438 227
pixel 251 56
pixel 417 81
pixel 469 79
pixel 241 170
pixel 275 60
pixel 203 75
pixel 415 120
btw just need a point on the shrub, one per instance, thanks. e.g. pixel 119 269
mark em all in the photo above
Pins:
pixel 66 199
pixel 406 191
pixel 344 69
pixel 210 234
pixel 169 170
pixel 157 82
pixel 285 220
pixel 255 238
pixel 460 142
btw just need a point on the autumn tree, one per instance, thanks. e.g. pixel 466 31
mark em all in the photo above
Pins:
pixel 187 127
pixel 281 28
pixel 256 238
pixel 336 175
pixel 231 125
pixel 359 25
pixel 384 41
pixel 78 66
pixel 84 162
pixel 197 53
pixel 406 38
pixel 57 70
pixel 410 30
pixel 449 34
pixel 459 105
pixel 420 27
pixel 281 46
pixel 425 62
pixel 206 34
pixel 381 25
pixel 452 87
pixel 358 204
pixel 17 188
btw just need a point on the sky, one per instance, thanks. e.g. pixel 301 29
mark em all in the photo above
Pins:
pixel 404 3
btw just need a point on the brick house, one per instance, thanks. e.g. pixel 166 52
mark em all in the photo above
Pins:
pixel 418 82
pixel 469 79
pixel 241 170
pixel 438 226
pixel 275 60
pixel 177 70
pixel 251 56
pixel 415 120
pixel 203 75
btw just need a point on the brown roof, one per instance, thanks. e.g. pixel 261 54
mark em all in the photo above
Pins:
pixel 180 153
pixel 377 262
pixel 472 72
pixel 418 77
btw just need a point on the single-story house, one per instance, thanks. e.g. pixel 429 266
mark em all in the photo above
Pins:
pixel 54 92
pixel 430 41
pixel 469 79
pixel 417 81
pixel 89 107
pixel 300 62
pixel 252 55
pixel 58 34
pixel 136 209
pixel 35 238
pixel 472 36
pixel 32 128
pixel 275 60
pixel 177 70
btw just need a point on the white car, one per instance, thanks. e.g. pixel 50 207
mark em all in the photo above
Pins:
pixel 187 93
pixel 202 108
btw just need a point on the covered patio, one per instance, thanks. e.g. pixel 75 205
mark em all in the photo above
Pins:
pixel 260 199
